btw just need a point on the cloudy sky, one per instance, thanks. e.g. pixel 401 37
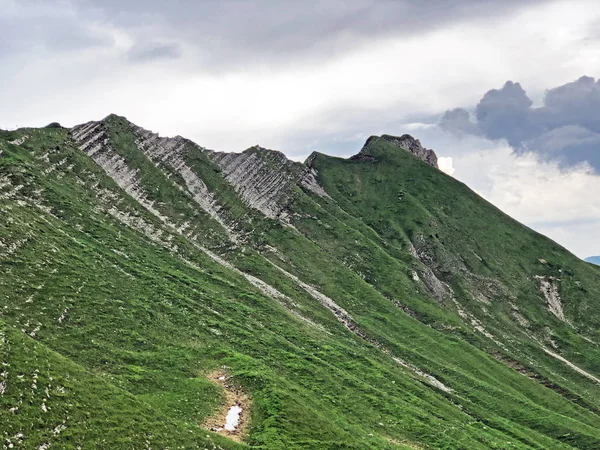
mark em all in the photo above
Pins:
pixel 505 92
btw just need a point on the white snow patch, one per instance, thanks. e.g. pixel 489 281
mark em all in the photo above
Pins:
pixel 232 420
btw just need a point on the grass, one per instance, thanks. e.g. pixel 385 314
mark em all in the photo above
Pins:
pixel 141 323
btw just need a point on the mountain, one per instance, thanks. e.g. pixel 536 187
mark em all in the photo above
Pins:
pixel 593 260
pixel 151 288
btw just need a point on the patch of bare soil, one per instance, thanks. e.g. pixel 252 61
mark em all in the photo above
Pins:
pixel 219 422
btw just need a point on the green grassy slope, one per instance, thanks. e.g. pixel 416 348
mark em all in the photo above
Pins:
pixel 490 260
pixel 51 401
pixel 123 308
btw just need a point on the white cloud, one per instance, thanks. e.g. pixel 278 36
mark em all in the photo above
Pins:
pixel 422 73
pixel 324 104
pixel 561 204
pixel 445 164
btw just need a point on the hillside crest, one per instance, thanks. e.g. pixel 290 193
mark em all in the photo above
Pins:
pixel 150 287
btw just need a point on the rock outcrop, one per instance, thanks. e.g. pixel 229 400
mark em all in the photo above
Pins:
pixel 405 142
pixel 262 177
pixel 169 153
pixel 409 143
pixel 265 178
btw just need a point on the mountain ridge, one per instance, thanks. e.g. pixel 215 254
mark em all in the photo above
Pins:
pixel 366 305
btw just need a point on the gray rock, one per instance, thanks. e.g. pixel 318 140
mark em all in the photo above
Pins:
pixel 409 143
pixel 405 142
pixel 265 178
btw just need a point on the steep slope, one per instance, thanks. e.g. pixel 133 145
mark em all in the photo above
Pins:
pixel 510 284
pixel 364 303
pixel 62 405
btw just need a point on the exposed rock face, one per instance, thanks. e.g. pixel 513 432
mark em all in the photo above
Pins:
pixel 169 152
pixel 94 141
pixel 308 180
pixel 405 142
pixel 346 319
pixel 264 178
pixel 409 143
pixel 549 288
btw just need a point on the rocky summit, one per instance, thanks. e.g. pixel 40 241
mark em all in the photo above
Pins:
pixel 158 294
pixel 405 142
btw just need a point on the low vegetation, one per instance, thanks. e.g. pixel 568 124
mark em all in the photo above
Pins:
pixel 400 310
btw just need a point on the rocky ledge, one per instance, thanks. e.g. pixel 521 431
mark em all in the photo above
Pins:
pixel 405 142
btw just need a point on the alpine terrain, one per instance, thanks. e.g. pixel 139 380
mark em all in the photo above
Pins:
pixel 157 294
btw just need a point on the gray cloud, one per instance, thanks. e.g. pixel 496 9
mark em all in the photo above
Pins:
pixel 566 128
pixel 576 103
pixel 154 51
pixel 226 33
pixel 458 121
pixel 569 144
pixel 33 27
pixel 504 113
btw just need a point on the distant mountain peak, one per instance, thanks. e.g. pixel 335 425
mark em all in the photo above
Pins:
pixel 593 260
pixel 405 142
